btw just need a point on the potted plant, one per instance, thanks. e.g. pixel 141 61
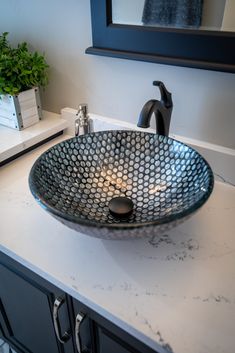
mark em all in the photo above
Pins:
pixel 21 75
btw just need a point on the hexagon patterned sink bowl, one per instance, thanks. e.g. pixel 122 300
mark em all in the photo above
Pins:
pixel 163 179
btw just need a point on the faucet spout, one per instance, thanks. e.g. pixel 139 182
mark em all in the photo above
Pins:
pixel 146 114
pixel 162 111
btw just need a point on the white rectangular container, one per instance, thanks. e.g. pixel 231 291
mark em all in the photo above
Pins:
pixel 21 110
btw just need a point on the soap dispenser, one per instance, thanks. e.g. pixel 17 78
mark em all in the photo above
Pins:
pixel 83 124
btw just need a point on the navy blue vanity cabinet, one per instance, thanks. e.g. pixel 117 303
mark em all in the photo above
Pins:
pixel 26 311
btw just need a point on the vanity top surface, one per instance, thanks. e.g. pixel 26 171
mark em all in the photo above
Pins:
pixel 176 291
pixel 13 141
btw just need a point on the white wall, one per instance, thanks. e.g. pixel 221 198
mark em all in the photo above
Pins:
pixel 127 11
pixel 204 101
pixel 212 15
pixel 229 16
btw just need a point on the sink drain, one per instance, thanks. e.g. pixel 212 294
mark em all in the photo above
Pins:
pixel 121 207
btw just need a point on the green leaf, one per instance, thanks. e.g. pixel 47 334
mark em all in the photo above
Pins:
pixel 19 68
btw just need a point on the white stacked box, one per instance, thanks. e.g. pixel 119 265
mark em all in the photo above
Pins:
pixel 22 110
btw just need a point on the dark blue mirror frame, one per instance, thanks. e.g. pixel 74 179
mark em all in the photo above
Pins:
pixel 211 50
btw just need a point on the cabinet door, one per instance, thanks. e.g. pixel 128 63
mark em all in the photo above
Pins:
pixel 107 342
pixel 26 303
pixel 98 335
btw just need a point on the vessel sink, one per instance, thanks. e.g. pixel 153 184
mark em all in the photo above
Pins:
pixel 161 181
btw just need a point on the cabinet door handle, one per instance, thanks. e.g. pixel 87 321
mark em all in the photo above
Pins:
pixel 66 336
pixel 79 318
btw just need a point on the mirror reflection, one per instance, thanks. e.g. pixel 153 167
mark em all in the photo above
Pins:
pixel 188 14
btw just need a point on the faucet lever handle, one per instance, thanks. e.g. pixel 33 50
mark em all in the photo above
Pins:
pixel 165 94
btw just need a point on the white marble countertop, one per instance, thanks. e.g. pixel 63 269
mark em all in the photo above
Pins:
pixel 14 141
pixel 176 291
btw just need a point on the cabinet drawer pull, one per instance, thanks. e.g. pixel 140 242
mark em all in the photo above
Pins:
pixel 66 336
pixel 79 318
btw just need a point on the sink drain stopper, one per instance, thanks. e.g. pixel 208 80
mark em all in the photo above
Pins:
pixel 121 207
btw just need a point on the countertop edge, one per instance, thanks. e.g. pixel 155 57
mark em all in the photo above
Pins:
pixel 73 293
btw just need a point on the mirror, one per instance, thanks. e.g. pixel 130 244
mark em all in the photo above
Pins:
pixel 216 15
pixel 193 36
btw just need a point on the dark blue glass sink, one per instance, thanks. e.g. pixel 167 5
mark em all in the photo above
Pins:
pixel 165 181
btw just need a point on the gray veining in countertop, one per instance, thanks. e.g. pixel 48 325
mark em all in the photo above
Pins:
pixel 176 291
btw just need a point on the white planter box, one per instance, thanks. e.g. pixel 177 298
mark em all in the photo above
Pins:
pixel 22 110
